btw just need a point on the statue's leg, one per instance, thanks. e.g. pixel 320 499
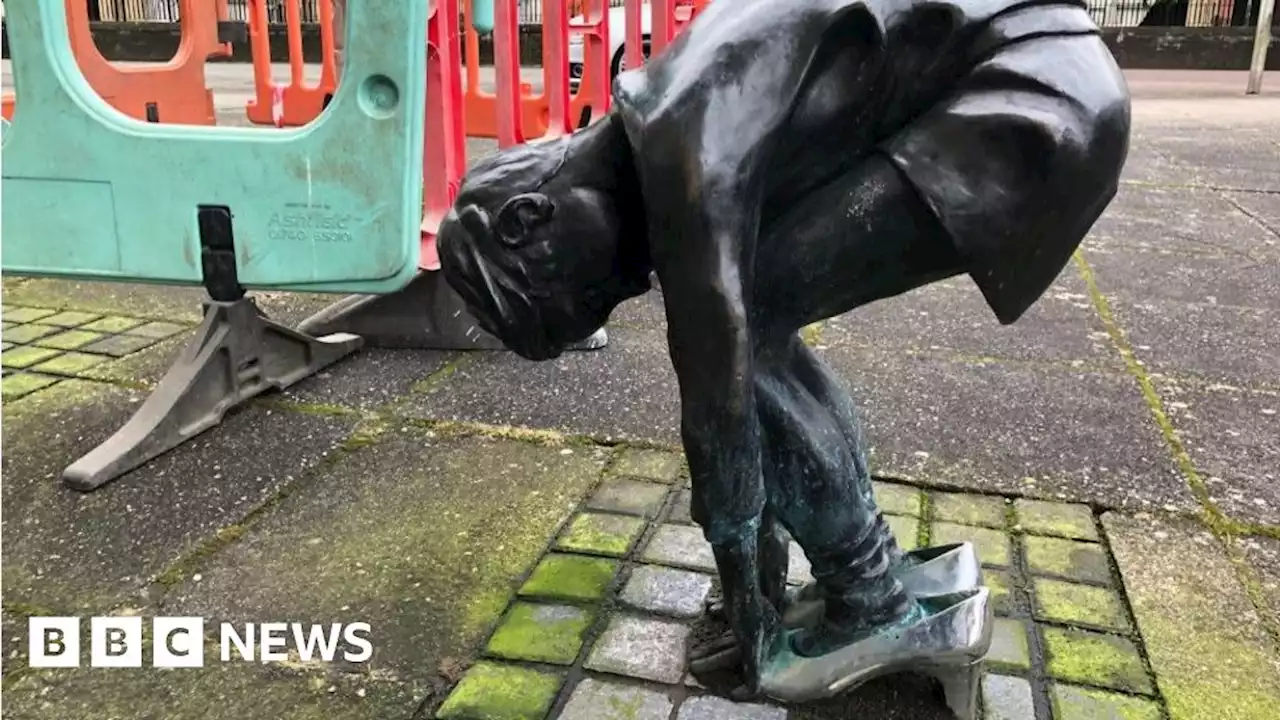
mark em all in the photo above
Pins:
pixel 818 486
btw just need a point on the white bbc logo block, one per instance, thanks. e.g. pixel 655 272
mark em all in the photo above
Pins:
pixel 115 642
pixel 53 642
pixel 177 642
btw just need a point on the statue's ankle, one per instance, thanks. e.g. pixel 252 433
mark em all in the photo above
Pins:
pixel 850 619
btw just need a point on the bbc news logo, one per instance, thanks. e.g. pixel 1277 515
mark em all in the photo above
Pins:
pixel 178 642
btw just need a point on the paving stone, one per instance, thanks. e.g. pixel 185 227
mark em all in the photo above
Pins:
pixel 597 700
pixel 992 545
pixel 1073 559
pixel 69 340
pixel 26 314
pixel 681 509
pixel 1009 646
pixel 1264 555
pixel 561 576
pixel 22 334
pixel 1211 654
pixel 635 497
pixel 601 534
pixel 966 509
pixel 113 324
pixel 642 648
pixel 119 345
pixel 24 356
pixel 70 363
pixel 541 633
pixel 1067 520
pixel 5 346
pixel 709 707
pixel 157 330
pixel 15 386
pixel 1071 702
pixel 1006 698
pixel 680 546
pixel 895 499
pixel 1094 658
pixel 667 591
pixel 493 691
pixel 1002 597
pixel 1214 342
pixel 799 570
pixel 1079 604
pixel 70 318
pixel 656 465
pixel 370 379
pixel 905 530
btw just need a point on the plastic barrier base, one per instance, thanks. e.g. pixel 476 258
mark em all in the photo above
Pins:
pixel 237 354
pixel 425 314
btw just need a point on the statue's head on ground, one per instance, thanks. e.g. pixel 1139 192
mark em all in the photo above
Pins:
pixel 535 245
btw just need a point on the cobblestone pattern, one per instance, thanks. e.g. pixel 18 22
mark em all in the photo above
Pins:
pixel 1065 644
pixel 43 346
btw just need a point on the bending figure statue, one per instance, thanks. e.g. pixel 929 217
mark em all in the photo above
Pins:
pixel 783 162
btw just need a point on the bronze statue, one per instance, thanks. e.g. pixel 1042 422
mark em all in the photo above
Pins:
pixel 778 164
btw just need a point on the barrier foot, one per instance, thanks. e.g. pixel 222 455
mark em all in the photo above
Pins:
pixel 425 314
pixel 237 354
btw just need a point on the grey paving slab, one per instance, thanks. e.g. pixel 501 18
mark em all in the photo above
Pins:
pixel 69 551
pixel 1233 437
pixel 1211 654
pixel 372 377
pixel 1143 215
pixel 1160 275
pixel 423 538
pixel 1005 697
pixel 1217 343
pixel 642 648
pixel 680 546
pixel 597 700
pixel 718 708
pixel 1263 207
pixel 1085 436
pixel 1062 326
pixel 626 391
pixel 667 591
pixel 1263 555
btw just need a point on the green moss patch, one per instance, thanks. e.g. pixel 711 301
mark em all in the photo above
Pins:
pixel 992 545
pixel 1073 559
pixel 70 339
pixel 70 318
pixel 27 333
pixel 491 691
pixel 1078 703
pixel 112 324
pixel 156 330
pixel 1095 659
pixel 1079 604
pixel 24 357
pixel 1065 520
pixel 906 531
pixel 967 509
pixel 896 499
pixel 541 633
pixel 120 345
pixel 1002 598
pixel 17 385
pixel 663 467
pixel 71 363
pixel 570 577
pixel 15 314
pixel 601 534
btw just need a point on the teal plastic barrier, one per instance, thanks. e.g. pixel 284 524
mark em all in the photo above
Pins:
pixel 331 207
pixel 482 16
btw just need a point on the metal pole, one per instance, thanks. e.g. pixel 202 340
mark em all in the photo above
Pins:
pixel 1261 40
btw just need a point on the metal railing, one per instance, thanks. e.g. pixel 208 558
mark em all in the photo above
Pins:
pixel 1107 13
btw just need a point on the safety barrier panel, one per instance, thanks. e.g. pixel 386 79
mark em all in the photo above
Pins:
pixel 171 93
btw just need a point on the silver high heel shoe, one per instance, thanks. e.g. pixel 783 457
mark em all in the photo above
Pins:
pixel 949 642
pixel 927 572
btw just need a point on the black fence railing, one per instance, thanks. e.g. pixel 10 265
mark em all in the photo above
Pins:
pixel 1107 13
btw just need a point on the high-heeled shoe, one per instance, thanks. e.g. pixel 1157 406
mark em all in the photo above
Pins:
pixel 949 641
pixel 927 572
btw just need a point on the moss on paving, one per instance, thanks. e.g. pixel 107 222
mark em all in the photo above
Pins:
pixel 654 465
pixel 1038 517
pixel 1096 659
pixel 969 509
pixel 993 546
pixel 601 533
pixel 1079 604
pixel 541 633
pixel 576 578
pixel 896 499
pixel 492 691
pixel 1069 558
pixel 905 530
pixel 1080 703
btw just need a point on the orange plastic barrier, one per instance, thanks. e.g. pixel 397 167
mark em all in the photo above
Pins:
pixel 444 153
pixel 296 103
pixel 174 92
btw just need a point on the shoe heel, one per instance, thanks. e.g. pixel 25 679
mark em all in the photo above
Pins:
pixel 960 686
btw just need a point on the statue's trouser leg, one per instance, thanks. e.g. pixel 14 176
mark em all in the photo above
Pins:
pixel 817 488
